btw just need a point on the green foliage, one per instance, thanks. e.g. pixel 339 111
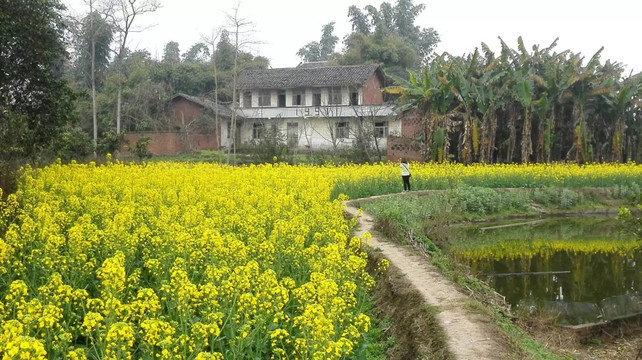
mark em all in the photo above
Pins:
pixel 631 220
pixel 141 149
pixel 35 101
pixel 103 35
pixel 390 50
pixel 272 147
pixel 627 191
pixel 570 198
pixel 110 142
pixel 172 53
pixel 531 106
pixel 320 51
pixel 74 144
pixel 199 53
pixel 555 197
pixel 545 196
pixel 475 200
pixel 388 35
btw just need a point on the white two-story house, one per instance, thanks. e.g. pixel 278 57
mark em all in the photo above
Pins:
pixel 314 105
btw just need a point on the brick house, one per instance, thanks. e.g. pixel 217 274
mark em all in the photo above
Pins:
pixel 314 105
pixel 191 126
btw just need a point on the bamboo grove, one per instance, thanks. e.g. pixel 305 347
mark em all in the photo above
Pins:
pixel 520 106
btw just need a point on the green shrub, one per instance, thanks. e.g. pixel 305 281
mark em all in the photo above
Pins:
pixel 546 196
pixel 569 198
pixel 141 149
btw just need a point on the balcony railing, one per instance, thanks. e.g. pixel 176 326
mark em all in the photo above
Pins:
pixel 316 111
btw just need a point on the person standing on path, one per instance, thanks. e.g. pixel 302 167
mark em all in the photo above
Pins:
pixel 405 174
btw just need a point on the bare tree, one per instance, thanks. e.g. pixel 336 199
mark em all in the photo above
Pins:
pixel 330 114
pixel 93 76
pixel 216 33
pixel 368 136
pixel 241 28
pixel 92 28
pixel 122 14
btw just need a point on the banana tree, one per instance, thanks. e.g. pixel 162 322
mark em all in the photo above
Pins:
pixel 431 97
pixel 524 94
pixel 620 102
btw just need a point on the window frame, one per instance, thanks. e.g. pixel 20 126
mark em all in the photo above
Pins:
pixel 381 127
pixel 316 98
pixel 335 95
pixel 263 96
pixel 342 130
pixel 247 95
pixel 298 93
pixel 292 132
pixel 257 131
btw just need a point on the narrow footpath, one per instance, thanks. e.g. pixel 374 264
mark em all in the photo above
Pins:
pixel 471 335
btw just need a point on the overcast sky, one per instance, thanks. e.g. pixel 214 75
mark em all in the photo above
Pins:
pixel 284 26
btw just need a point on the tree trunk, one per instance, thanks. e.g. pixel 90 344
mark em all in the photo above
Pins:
pixel 466 150
pixel 93 75
pixel 512 136
pixel 549 134
pixel 118 107
pixel 527 142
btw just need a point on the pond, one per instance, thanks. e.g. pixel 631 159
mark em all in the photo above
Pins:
pixel 582 268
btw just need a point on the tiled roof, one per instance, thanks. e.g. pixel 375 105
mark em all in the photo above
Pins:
pixel 206 103
pixel 312 64
pixel 301 77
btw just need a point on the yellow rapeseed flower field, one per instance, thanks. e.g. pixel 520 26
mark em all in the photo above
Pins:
pixel 201 261
pixel 179 261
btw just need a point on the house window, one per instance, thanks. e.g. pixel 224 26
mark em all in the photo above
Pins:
pixel 265 98
pixel 293 133
pixel 229 129
pixel 354 98
pixel 247 99
pixel 257 131
pixel 342 130
pixel 380 129
pixel 316 99
pixel 280 98
pixel 334 95
pixel 298 98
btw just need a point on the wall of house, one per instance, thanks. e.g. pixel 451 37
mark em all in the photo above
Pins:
pixel 410 125
pixel 406 145
pixel 369 94
pixel 171 143
pixel 371 91
pixel 313 133
pixel 183 112
pixel 400 147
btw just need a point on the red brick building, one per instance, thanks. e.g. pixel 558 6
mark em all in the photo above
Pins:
pixel 193 127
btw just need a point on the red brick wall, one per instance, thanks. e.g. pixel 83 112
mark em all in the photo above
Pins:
pixel 400 147
pixel 172 143
pixel 410 125
pixel 372 94
pixel 406 146
pixel 184 111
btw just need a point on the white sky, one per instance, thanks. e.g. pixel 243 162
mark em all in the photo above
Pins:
pixel 284 26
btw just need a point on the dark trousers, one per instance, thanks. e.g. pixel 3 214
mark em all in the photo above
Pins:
pixel 406 182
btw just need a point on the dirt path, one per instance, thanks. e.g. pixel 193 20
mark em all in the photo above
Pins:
pixel 470 335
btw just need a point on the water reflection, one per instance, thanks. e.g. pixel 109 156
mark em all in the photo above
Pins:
pixel 581 267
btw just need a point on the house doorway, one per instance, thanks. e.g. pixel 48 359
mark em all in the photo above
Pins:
pixel 281 99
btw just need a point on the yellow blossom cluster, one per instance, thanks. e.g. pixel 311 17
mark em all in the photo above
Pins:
pixel 179 261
